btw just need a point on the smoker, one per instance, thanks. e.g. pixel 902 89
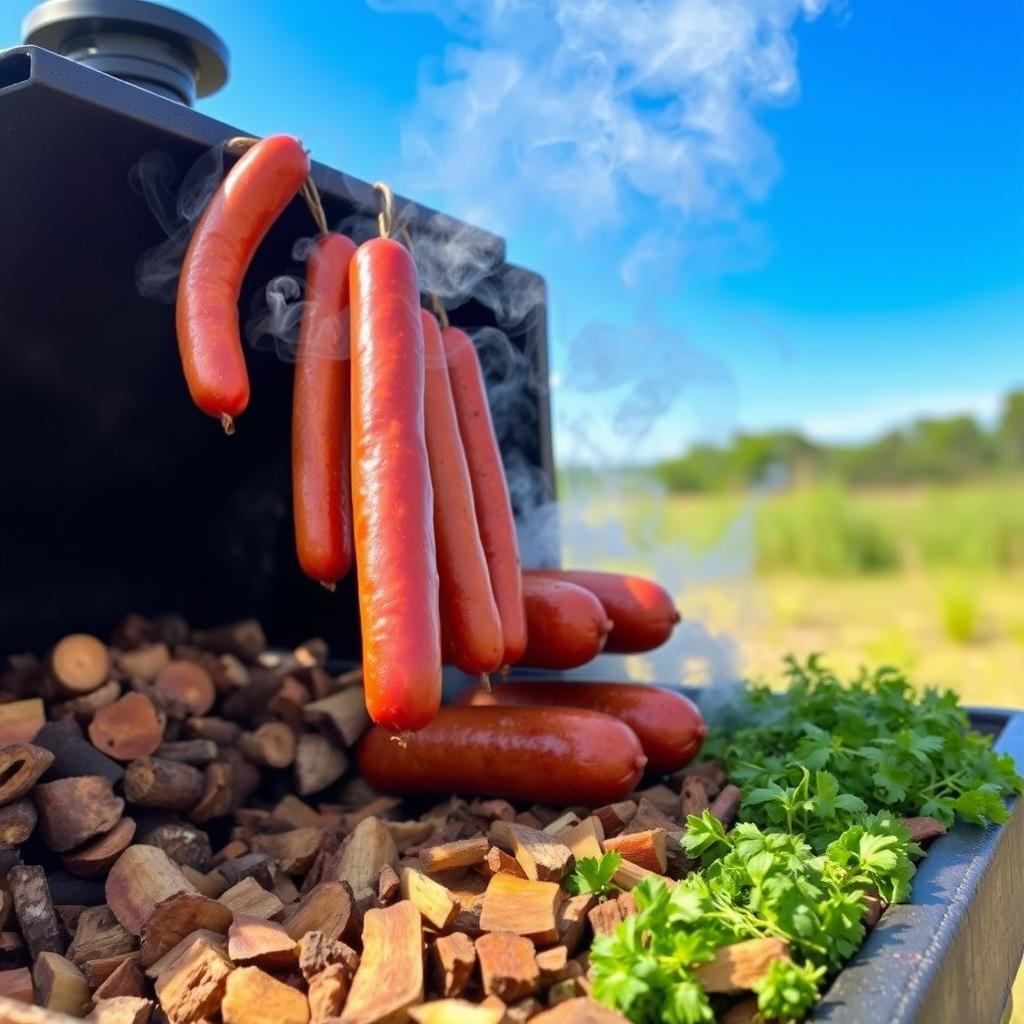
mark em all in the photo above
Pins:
pixel 120 495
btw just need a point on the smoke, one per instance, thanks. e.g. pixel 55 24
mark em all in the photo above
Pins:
pixel 632 124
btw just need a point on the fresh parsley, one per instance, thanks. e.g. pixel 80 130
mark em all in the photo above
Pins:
pixel 594 874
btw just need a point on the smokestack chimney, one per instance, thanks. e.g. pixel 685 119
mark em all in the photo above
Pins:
pixel 149 45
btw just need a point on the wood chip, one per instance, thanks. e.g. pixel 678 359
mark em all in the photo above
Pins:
pixel 326 908
pixel 178 916
pixel 21 765
pixel 615 817
pixel 254 997
pixel 508 966
pixel 582 1010
pixel 191 988
pixel 645 849
pixel 584 839
pixel 59 985
pixel 317 952
pixel 628 875
pixel 20 720
pixel 462 853
pixel 456 1011
pixel 255 941
pixel 923 828
pixel 521 906
pixel 605 917
pixel 498 861
pixel 571 919
pixel 128 728
pixel 187 682
pixel 272 745
pixel 121 1010
pixel 390 974
pixel 95 858
pixel 318 763
pixel 16 985
pixel 738 966
pixel 452 960
pixel 327 992
pixel 345 710
pixel 725 805
pixel 75 810
pixel 79 663
pixel 126 979
pixel 33 908
pixel 98 935
pixel 248 897
pixel 431 899
pixel 365 852
pixel 157 782
pixel 294 851
pixel 543 857
pixel 17 822
pixel 693 797
pixel 663 798
pixel 141 878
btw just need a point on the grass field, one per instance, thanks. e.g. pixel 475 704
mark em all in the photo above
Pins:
pixel 928 580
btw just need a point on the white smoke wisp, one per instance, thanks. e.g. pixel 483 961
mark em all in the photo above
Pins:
pixel 581 105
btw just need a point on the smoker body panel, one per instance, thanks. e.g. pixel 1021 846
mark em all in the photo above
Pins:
pixel 119 493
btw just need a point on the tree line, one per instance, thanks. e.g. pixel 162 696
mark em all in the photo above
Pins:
pixel 929 450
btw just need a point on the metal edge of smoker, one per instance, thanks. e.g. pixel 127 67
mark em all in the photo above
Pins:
pixel 950 955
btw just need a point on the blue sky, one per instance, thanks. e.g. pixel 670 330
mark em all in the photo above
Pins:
pixel 837 245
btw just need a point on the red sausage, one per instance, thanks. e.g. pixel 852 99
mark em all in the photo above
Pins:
pixel 252 196
pixel 667 724
pixel 490 488
pixel 470 627
pixel 643 612
pixel 392 500
pixel 565 624
pixel 321 452
pixel 556 755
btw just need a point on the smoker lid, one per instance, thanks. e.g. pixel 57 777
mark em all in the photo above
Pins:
pixel 141 42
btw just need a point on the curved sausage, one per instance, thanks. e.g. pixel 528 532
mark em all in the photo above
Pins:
pixel 252 196
pixel 566 626
pixel 471 633
pixel 668 725
pixel 556 755
pixel 321 449
pixel 642 610
pixel 392 500
pixel 490 488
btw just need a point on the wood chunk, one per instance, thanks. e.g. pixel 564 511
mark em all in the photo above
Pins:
pixel 390 975
pixel 249 897
pixel 726 804
pixel 211 884
pixel 498 861
pixel 365 852
pixel 144 662
pixel 388 884
pixel 629 875
pixel 452 960
pixel 255 941
pixel 507 966
pixel 84 707
pixel 34 910
pixel 571 919
pixel 245 639
pixel 693 797
pixel 128 728
pixel 492 810
pixel 271 745
pixel 220 792
pixel 72 753
pixel 98 972
pixel 432 900
pixel 252 996
pixel 326 908
pixel 16 985
pixel 20 720
pixel 156 782
pixel 923 828
pixel 456 1011
pixel 645 849
pixel 562 823
pixel 79 663
pixel 553 963
pixel 615 817
pixel 627 904
pixel 294 851
pixel 141 878
pixel 521 906
pixel 543 857
pixel 318 763
pixel 648 817
pixel 660 796
pixel 126 979
pixel 187 682
pixel 327 992
pixel 176 956
pixel 257 866
pixel 582 1010
pixel 74 810
pixel 178 916
pixel 21 765
pixel 183 843
pixel 736 967
pixel 99 935
pixel 605 917
pixel 218 730
pixel 709 772
pixel 17 822
pixel 59 985
pixel 345 710
pixel 317 952
pixel 121 1010
pixel 198 752
pixel 462 853
pixel 285 889
pixel 191 988
pixel 95 858
pixel 297 813
pixel 584 838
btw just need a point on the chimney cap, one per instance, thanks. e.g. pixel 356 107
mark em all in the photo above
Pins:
pixel 145 43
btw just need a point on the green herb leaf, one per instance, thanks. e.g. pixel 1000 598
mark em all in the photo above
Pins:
pixel 593 874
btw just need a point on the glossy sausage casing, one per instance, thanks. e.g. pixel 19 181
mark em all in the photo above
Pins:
pixel 321 448
pixel 566 626
pixel 490 488
pixel 392 499
pixel 554 755
pixel 642 611
pixel 252 196
pixel 668 725
pixel 471 632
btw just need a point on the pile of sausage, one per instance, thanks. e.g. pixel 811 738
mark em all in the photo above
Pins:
pixel 396 467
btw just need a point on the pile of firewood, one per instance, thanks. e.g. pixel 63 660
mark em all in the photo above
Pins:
pixel 182 840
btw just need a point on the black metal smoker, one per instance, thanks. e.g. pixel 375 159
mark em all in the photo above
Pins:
pixel 119 495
